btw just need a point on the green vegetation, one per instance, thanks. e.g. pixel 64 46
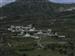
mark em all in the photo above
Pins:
pixel 28 47
pixel 61 22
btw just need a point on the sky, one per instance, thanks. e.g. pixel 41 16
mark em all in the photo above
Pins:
pixel 4 2
pixel 63 1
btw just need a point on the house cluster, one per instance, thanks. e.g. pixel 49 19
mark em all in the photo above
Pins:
pixel 70 9
pixel 30 31
pixel 62 9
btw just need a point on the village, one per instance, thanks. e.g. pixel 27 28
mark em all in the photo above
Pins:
pixel 31 32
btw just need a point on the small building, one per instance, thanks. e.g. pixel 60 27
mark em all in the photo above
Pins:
pixel 40 32
pixel 62 36
pixel 32 29
pixel 27 35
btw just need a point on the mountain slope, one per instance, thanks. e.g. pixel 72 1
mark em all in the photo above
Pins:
pixel 34 14
pixel 36 8
pixel 16 9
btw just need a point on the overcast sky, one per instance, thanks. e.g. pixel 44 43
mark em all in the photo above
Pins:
pixel 4 2
pixel 63 1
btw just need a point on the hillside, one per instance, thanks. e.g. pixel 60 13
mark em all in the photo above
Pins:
pixel 33 13
pixel 49 16
pixel 33 8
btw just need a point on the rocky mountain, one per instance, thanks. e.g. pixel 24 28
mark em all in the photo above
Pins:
pixel 36 12
pixel 29 7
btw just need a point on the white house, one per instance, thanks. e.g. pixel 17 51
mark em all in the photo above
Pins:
pixel 62 36
pixel 27 35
